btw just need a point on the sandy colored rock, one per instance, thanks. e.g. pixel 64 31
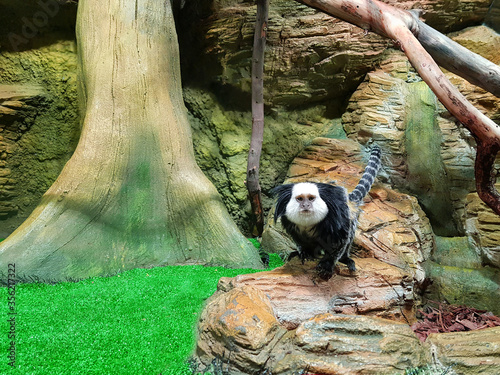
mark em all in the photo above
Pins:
pixel 296 294
pixel 468 353
pixel 237 328
pixel 483 228
pixel 239 323
pixel 425 155
pixel 341 344
pixel 481 39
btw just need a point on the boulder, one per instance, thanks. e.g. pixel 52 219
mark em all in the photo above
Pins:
pixel 239 324
pixel 345 344
pixel 468 353
pixel 238 331
pixel 296 294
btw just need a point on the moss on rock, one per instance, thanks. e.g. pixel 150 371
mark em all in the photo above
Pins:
pixel 48 129
pixel 221 137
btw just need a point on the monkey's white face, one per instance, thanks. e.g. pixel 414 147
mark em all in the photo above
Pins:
pixel 306 208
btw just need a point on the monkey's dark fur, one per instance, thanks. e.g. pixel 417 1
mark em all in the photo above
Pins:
pixel 323 218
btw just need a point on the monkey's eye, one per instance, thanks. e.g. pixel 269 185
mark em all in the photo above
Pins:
pixel 299 199
pixel 311 199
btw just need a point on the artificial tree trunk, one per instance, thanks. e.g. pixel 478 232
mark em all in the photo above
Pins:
pixel 132 194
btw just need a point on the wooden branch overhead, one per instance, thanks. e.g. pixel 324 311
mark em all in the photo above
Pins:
pixel 400 26
pixel 458 59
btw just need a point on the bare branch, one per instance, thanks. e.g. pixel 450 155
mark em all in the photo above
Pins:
pixel 253 185
pixel 458 59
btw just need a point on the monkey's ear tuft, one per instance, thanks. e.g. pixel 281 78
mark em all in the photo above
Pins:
pixel 283 194
pixel 279 190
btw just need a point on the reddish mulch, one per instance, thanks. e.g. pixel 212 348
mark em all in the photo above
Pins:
pixel 452 318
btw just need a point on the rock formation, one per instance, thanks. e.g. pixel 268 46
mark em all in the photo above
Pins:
pixel 310 57
pixel 288 320
pixel 239 331
pixel 239 326
pixel 426 152
pixel 340 325
pixel 15 103
pixel 468 353
pixel 296 294
pixel 483 228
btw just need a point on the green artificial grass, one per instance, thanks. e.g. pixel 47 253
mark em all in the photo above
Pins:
pixel 428 370
pixel 139 322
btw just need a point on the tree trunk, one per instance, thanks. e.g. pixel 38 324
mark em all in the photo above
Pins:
pixel 132 194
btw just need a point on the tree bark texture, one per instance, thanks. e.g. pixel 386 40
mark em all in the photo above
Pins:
pixel 399 25
pixel 131 195
pixel 458 59
pixel 259 44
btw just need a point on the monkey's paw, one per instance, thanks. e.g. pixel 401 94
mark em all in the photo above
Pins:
pixel 325 269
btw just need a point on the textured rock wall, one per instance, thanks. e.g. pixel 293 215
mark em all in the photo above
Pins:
pixel 310 57
pixel 39 124
pixel 313 60
pixel 483 228
pixel 425 154
pixel 18 105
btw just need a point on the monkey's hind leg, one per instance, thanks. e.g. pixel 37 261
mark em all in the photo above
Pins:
pixel 348 262
pixel 298 254
pixel 326 267
pixel 294 254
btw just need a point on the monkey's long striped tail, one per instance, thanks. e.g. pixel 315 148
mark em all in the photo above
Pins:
pixel 371 170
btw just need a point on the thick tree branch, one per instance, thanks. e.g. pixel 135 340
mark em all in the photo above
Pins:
pixel 399 25
pixel 458 59
pixel 259 44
